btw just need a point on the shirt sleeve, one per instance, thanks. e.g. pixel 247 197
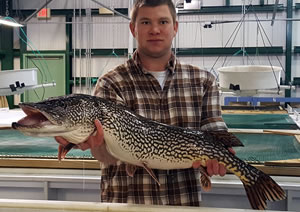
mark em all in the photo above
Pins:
pixel 211 108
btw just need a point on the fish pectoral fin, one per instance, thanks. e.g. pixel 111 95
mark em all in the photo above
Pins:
pixel 130 169
pixel 63 150
pixel 144 165
pixel 205 179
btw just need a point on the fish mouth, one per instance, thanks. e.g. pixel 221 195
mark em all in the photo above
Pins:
pixel 36 121
pixel 34 118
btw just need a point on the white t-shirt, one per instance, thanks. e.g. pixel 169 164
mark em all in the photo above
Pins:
pixel 160 76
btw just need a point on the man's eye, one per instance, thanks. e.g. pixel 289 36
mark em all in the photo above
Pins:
pixel 164 22
pixel 145 22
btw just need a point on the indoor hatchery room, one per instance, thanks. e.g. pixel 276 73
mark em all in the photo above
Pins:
pixel 149 105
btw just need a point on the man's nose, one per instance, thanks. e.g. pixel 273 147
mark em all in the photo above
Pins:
pixel 155 29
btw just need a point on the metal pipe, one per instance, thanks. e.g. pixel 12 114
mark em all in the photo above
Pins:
pixel 106 7
pixel 274 12
pixel 8 92
pixel 189 22
pixel 80 46
pixel 74 40
pixel 253 92
pixel 289 46
pixel 130 37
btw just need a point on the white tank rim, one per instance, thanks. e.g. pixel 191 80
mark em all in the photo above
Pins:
pixel 249 77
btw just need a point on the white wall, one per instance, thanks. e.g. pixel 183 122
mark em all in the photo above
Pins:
pixel 108 32
pixel 100 65
pixel 255 2
pixel 68 4
pixel 191 27
pixel 111 34
pixel 47 36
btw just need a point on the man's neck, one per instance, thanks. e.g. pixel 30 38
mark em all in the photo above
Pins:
pixel 154 64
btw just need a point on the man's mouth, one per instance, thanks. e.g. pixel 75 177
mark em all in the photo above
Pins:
pixel 155 40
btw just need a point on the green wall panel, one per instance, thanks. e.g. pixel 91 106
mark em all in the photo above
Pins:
pixel 52 68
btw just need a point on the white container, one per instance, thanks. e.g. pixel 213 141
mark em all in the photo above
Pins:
pixel 250 77
pixel 193 5
pixel 26 76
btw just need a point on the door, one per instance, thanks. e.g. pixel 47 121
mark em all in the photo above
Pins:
pixel 51 68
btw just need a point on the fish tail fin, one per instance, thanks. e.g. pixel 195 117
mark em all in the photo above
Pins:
pixel 264 188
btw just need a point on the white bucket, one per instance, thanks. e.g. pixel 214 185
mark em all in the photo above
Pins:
pixel 249 77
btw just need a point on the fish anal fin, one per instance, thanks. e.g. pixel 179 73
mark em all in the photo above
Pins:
pixel 205 179
pixel 130 169
pixel 150 172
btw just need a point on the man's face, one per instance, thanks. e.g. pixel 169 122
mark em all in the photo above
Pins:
pixel 154 30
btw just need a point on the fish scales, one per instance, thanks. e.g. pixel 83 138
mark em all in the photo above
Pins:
pixel 143 137
pixel 139 141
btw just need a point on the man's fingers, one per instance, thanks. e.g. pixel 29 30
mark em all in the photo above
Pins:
pixel 222 170
pixel 84 146
pixel 61 140
pixel 215 167
pixel 92 142
pixel 99 127
pixel 209 168
pixel 196 164
pixel 98 138
pixel 231 150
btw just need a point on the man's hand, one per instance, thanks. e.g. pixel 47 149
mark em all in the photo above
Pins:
pixel 95 143
pixel 92 142
pixel 213 167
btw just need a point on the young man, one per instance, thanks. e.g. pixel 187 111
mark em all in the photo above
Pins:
pixel 156 85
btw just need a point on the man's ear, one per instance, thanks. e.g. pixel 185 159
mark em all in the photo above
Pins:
pixel 132 28
pixel 175 28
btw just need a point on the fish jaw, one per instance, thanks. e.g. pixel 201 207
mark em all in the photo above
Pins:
pixel 38 123
pixel 45 130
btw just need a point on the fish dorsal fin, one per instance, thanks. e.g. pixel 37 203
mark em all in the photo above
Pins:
pixel 224 137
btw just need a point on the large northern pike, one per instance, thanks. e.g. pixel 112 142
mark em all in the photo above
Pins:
pixel 139 141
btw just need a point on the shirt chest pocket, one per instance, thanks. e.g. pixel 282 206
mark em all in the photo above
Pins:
pixel 188 93
pixel 185 105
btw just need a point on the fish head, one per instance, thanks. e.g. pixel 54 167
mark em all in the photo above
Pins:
pixel 71 117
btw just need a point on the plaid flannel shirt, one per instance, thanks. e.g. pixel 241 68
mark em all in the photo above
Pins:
pixel 189 98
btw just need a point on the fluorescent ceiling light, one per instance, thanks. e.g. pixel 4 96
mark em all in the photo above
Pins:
pixel 9 22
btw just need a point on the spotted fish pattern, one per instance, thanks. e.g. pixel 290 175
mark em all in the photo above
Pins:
pixel 142 142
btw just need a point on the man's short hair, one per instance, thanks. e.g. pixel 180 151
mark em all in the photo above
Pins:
pixel 152 3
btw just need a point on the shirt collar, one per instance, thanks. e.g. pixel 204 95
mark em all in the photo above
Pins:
pixel 170 66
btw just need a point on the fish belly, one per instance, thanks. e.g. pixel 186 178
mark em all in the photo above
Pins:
pixel 135 158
